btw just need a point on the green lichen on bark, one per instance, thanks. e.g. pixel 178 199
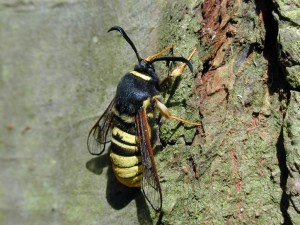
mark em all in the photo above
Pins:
pixel 179 28
pixel 291 135
pixel 235 175
pixel 288 19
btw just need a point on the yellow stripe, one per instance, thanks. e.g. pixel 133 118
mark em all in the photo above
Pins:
pixel 144 77
pixel 151 114
pixel 125 161
pixel 121 145
pixel 129 138
pixel 125 118
pixel 131 182
pixel 146 103
pixel 130 172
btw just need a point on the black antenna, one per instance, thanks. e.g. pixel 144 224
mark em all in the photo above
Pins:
pixel 120 29
pixel 173 59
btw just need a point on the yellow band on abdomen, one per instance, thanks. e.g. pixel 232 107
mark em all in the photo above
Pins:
pixel 131 182
pixel 129 172
pixel 124 146
pixel 129 138
pixel 127 169
pixel 125 161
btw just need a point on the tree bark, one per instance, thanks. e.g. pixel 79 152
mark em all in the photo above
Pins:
pixel 59 70
pixel 243 164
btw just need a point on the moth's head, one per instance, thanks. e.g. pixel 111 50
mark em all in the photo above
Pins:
pixel 146 65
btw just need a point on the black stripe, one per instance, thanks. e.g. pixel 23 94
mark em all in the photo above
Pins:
pixel 123 152
pixel 119 138
pixel 126 127
pixel 118 166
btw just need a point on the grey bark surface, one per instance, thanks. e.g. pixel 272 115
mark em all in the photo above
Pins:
pixel 59 70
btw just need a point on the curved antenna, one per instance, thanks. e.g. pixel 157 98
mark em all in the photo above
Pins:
pixel 120 29
pixel 173 59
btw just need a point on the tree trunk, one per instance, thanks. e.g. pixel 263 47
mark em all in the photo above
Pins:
pixel 243 164
pixel 58 66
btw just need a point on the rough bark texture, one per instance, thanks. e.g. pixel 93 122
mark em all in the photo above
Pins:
pixel 246 170
pixel 58 66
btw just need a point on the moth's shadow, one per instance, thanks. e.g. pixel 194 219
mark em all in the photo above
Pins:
pixel 117 194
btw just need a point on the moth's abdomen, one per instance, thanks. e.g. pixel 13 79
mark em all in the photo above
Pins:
pixel 125 155
pixel 127 169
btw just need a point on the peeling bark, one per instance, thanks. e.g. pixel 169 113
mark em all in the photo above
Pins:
pixel 239 154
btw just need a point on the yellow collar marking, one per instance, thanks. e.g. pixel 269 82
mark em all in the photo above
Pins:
pixel 144 77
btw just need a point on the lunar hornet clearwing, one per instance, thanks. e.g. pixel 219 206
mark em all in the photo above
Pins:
pixel 130 124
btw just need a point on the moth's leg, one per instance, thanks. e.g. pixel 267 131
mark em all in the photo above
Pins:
pixel 150 58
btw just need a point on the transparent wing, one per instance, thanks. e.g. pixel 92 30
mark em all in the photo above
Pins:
pixel 150 182
pixel 100 133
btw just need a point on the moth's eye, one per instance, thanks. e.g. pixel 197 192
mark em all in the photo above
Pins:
pixel 151 68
